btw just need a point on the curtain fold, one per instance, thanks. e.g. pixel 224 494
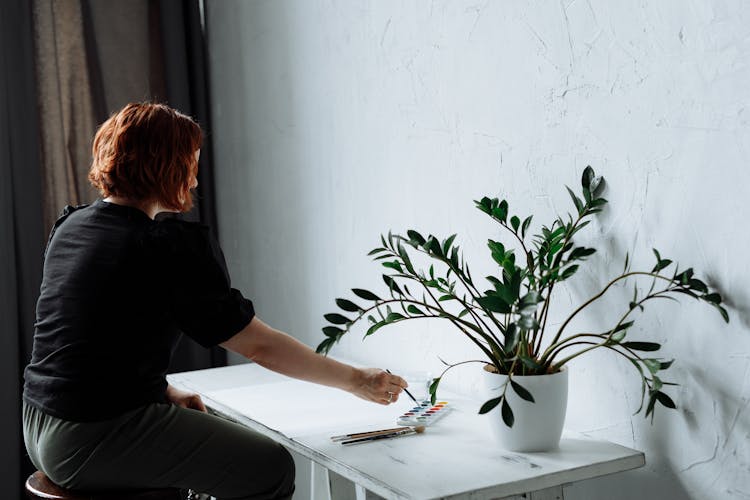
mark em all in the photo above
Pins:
pixel 22 234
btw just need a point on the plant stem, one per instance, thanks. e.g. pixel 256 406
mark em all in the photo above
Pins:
pixel 599 295
pixel 553 349
pixel 456 321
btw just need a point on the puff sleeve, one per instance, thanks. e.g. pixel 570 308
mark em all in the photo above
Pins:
pixel 199 296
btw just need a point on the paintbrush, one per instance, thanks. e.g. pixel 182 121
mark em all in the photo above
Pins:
pixel 407 431
pixel 406 390
pixel 357 435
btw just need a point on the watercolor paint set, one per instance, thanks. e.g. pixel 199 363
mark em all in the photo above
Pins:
pixel 424 414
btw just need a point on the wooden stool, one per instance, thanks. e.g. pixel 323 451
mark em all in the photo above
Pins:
pixel 38 486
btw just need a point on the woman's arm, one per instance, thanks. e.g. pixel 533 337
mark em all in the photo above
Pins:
pixel 284 354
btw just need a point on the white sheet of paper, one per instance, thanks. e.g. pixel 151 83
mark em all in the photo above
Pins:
pixel 297 408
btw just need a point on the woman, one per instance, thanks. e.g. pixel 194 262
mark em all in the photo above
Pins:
pixel 118 288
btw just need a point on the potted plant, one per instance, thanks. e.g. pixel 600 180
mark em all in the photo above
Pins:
pixel 508 322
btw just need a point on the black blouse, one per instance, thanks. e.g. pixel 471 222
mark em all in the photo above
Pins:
pixel 117 290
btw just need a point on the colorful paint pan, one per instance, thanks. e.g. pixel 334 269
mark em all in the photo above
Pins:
pixel 425 414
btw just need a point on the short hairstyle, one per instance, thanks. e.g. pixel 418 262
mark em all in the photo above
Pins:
pixel 146 151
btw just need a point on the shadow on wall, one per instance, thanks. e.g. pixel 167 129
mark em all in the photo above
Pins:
pixel 701 451
pixel 659 482
pixel 737 300
pixel 727 465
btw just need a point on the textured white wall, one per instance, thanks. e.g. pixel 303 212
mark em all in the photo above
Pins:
pixel 335 121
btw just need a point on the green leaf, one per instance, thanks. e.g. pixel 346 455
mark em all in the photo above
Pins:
pixel 576 201
pixel 660 264
pixel 697 285
pixel 433 247
pixel 684 277
pixel 596 187
pixel 653 365
pixel 501 212
pixel 506 293
pixel 336 319
pixel 665 400
pixel 515 222
pixel 587 177
pixel 393 265
pixel 666 364
pixel 447 243
pixel 375 328
pixel 332 331
pixel 642 346
pixel 394 316
pixel 525 225
pixel 377 251
pixel 414 310
pixel 365 294
pixel 490 405
pixel 568 272
pixel 581 253
pixel 522 393
pixel 507 413
pixel 325 346
pixel 391 283
pixel 405 257
pixel 724 313
pixel 433 389
pixel 623 326
pixel 530 363
pixel 651 403
pixel 484 205
pixel 415 237
pixel 445 297
pixel 714 298
pixel 348 305
pixel 617 337
pixel 494 304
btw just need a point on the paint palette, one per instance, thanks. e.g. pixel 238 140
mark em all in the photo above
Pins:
pixel 425 414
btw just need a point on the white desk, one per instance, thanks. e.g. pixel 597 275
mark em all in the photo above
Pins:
pixel 454 458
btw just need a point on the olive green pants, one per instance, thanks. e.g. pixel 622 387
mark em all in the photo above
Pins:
pixel 159 446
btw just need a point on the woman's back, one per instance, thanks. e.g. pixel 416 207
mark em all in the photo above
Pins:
pixel 102 340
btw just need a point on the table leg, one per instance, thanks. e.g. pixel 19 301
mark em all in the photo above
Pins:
pixel 328 485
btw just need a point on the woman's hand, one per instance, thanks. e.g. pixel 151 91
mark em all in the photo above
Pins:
pixel 374 384
pixel 184 399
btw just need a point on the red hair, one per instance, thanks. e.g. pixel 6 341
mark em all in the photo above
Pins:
pixel 144 152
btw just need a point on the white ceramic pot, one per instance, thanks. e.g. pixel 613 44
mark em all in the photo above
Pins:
pixel 537 426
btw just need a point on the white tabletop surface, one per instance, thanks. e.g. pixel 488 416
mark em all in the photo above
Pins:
pixel 453 458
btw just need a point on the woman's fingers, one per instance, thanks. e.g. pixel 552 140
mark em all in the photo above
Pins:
pixel 196 403
pixel 380 386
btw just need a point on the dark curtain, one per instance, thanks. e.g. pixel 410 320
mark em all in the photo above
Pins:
pixel 186 88
pixel 21 230
pixel 66 65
